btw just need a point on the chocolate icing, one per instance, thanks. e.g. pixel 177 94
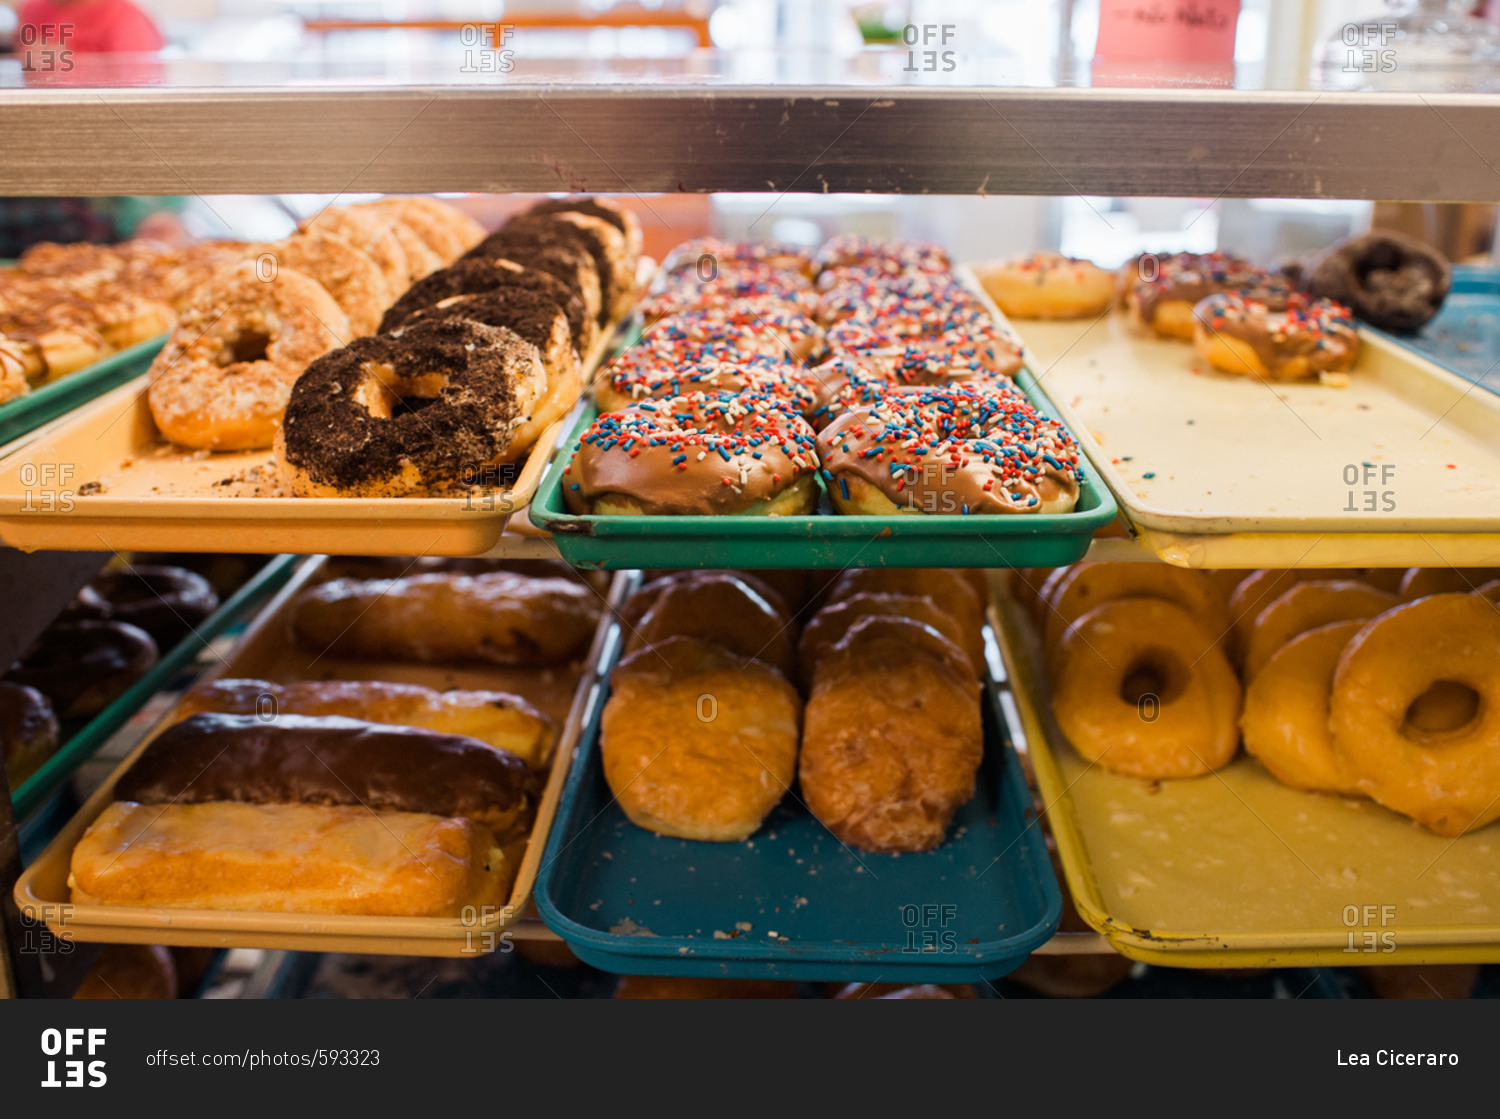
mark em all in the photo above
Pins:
pixel 166 602
pixel 474 275
pixel 1194 276
pixel 489 379
pixel 329 760
pixel 78 664
pixel 1284 326
pixel 529 314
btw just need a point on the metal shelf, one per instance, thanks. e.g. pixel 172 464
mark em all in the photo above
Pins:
pixel 694 135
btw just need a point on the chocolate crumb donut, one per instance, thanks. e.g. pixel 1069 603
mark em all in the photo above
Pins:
pixel 607 209
pixel 389 417
pixel 1389 280
pixel 475 275
pixel 605 245
pixel 551 250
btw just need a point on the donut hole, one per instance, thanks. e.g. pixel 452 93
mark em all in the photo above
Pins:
pixel 1448 706
pixel 1155 672
pixel 245 345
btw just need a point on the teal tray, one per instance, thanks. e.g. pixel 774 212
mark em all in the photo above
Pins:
pixel 34 791
pixel 629 901
pixel 27 413
pixel 824 539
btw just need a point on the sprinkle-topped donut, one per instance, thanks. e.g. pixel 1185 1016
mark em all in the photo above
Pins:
pixel 1165 288
pixel 960 355
pixel 1280 336
pixel 852 249
pixel 700 454
pixel 631 382
pixel 846 383
pixel 857 293
pixel 685 291
pixel 707 256
pixel 955 449
pixel 741 328
pixel 1048 286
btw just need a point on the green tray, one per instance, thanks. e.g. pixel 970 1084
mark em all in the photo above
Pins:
pixel 35 790
pixel 27 413
pixel 824 539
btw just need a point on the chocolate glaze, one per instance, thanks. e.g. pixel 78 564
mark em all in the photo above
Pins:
pixel 82 666
pixel 330 760
pixel 166 602
pixel 1284 326
pixel 656 376
pixel 769 255
pixel 489 376
pixel 1194 276
pixel 760 287
pixel 475 275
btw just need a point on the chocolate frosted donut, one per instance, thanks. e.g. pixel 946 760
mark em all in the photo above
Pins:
pixel 475 276
pixel 166 602
pixel 387 417
pixel 83 667
pixel 949 450
pixel 1389 280
pixel 1285 336
pixel 28 731
pixel 1164 303
pixel 643 374
pixel 761 287
pixel 851 249
pixel 740 329
pixel 704 453
pixel 331 760
pixel 704 255
pixel 959 356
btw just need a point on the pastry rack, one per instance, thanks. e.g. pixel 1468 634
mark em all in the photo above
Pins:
pixel 773 124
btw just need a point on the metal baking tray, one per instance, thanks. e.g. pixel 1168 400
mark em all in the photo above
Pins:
pixel 1235 869
pixel 25 414
pixel 265 653
pixel 792 902
pixel 35 790
pixel 826 538
pixel 1401 468
pixel 1464 336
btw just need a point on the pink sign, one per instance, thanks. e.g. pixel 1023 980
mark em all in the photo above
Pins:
pixel 1167 30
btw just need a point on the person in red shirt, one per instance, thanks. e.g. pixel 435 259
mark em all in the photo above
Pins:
pixel 86 26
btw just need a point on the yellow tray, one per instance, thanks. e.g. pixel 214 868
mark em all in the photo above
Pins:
pixel 42 893
pixel 157 497
pixel 1213 470
pixel 1237 870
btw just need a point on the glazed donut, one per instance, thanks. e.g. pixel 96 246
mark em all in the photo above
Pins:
pixel 1490 592
pixel 1304 606
pixel 1048 286
pixel 28 731
pixel 643 374
pixel 222 381
pixel 1276 337
pixel 352 429
pixel 1389 280
pixel 166 602
pixel 831 623
pixel 83 667
pixel 980 353
pixel 1418 582
pixel 640 603
pixel 1119 653
pixel 1285 721
pixel 370 232
pixel 707 453
pixel 346 273
pixel 723 609
pixel 739 329
pixel 851 249
pixel 554 252
pixel 1071 592
pixel 608 209
pixel 722 255
pixel 1259 589
pixel 953 449
pixel 535 319
pixel 1448 781
pixel 1165 302
pixel 476 276
pixel 604 244
pixel 686 291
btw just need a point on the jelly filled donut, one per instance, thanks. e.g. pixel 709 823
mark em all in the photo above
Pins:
pixel 1132 656
pixel 1277 336
pixel 222 381
pixel 1389 280
pixel 704 453
pixel 1448 780
pixel 387 417
pixel 1164 303
pixel 1048 286
pixel 951 449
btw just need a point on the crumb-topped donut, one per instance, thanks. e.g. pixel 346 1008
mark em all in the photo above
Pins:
pixel 387 417
pixel 371 232
pixel 621 217
pixel 1164 303
pixel 1275 335
pixel 954 449
pixel 1389 280
pixel 555 249
pixel 347 273
pixel 222 381
pixel 700 454
pixel 605 245
pixel 1048 286
pixel 647 375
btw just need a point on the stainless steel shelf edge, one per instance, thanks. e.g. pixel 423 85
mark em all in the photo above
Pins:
pixel 652 138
